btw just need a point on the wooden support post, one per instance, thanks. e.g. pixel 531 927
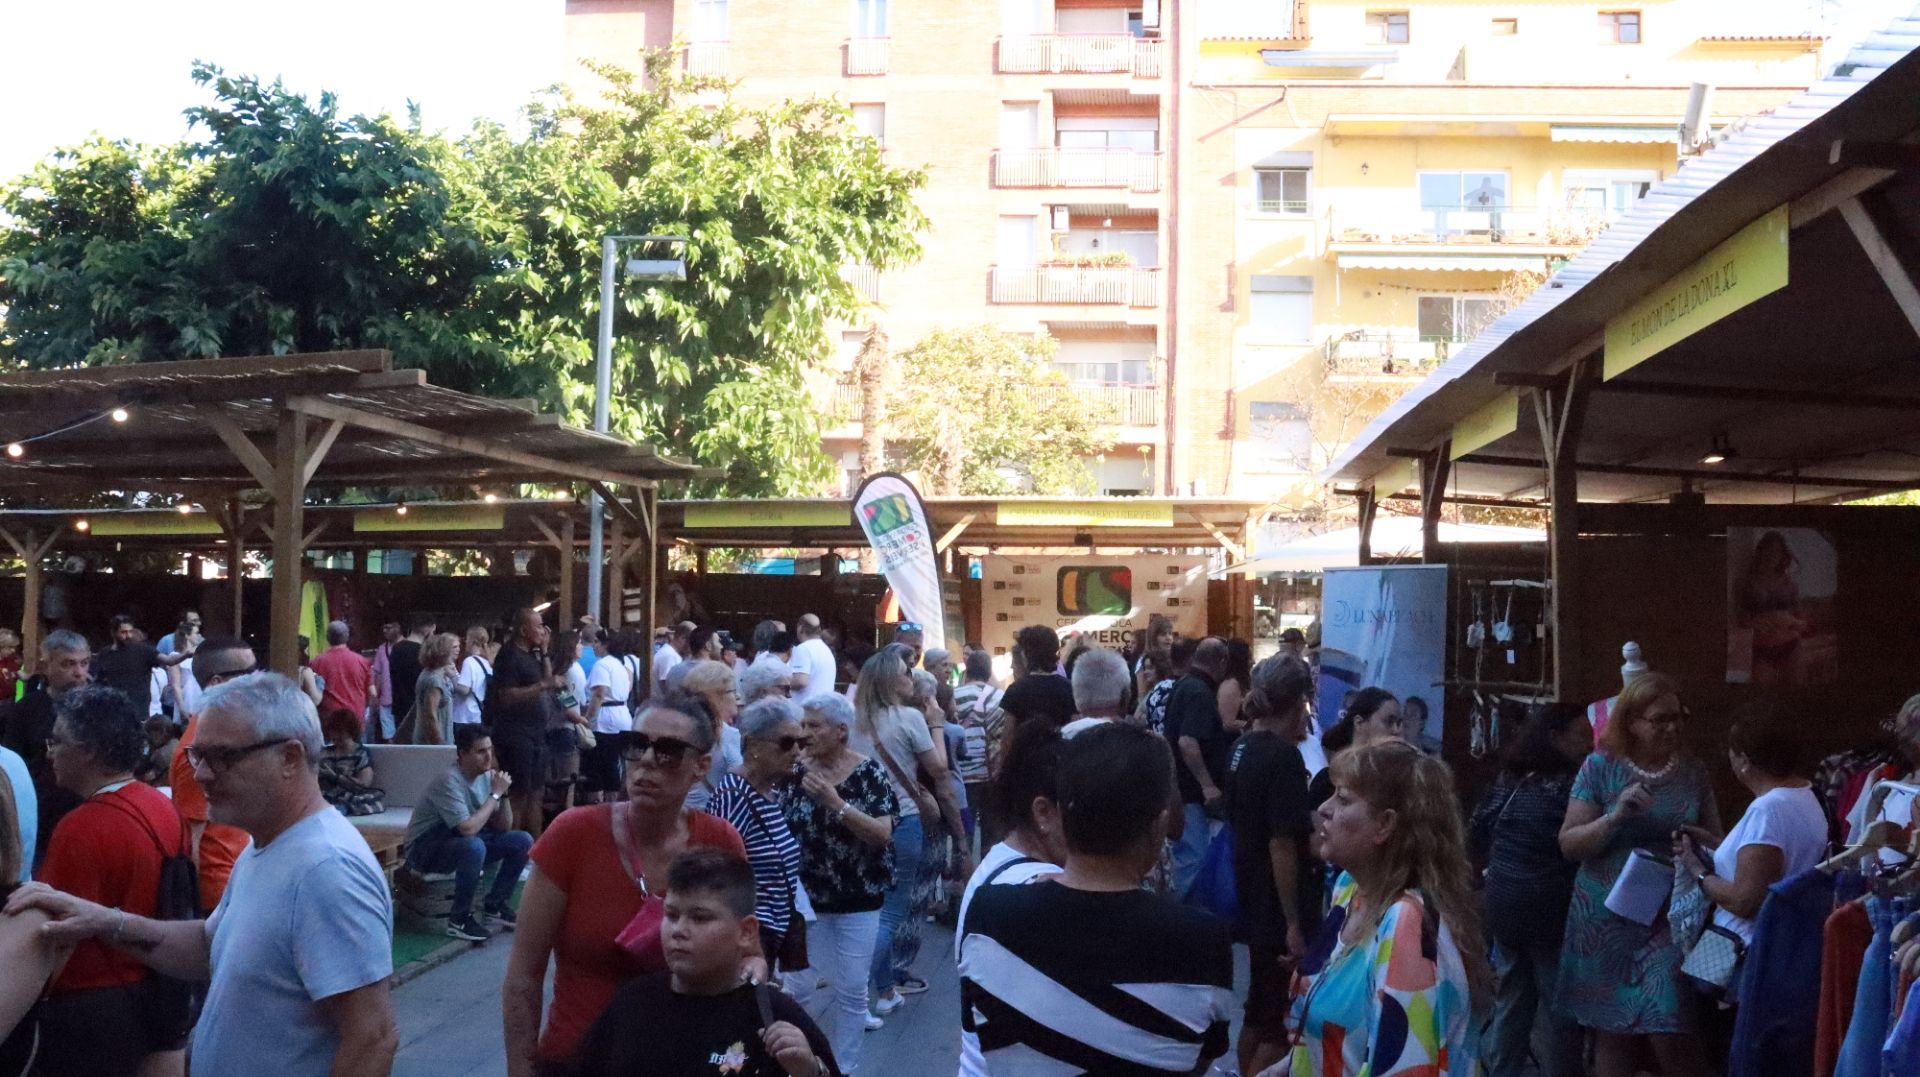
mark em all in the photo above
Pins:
pixel 290 453
pixel 236 562
pixel 649 572
pixel 1368 506
pixel 566 570
pixel 32 549
pixel 1561 413
pixel 1434 471
pixel 616 563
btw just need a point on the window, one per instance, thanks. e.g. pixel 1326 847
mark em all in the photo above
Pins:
pixel 1102 362
pixel 1280 190
pixel 871 121
pixel 1463 202
pixel 1284 431
pixel 1620 27
pixel 1506 27
pixel 1453 318
pixel 1282 308
pixel 1605 194
pixel 709 20
pixel 1387 28
pixel 869 18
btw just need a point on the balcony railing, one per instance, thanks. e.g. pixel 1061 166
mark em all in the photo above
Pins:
pixel 1123 405
pixel 1467 225
pixel 843 406
pixel 1080 54
pixel 868 55
pixel 705 58
pixel 1069 167
pixel 1375 354
pixel 865 280
pixel 1289 206
pixel 1125 286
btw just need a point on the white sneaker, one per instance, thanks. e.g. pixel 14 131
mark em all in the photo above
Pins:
pixel 888 1003
pixel 873 1023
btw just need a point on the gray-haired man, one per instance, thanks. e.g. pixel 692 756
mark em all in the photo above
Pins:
pixel 66 660
pixel 299 950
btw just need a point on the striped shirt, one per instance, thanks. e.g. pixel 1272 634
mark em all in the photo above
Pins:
pixel 1058 982
pixel 771 850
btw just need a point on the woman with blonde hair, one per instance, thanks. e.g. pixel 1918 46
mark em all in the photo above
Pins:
pixel 1617 977
pixel 1408 969
pixel 713 683
pixel 433 692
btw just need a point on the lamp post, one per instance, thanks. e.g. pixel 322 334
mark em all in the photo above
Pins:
pixel 658 269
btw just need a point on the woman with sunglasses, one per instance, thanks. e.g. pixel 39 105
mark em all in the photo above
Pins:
pixel 1618 978
pixel 844 823
pixel 750 798
pixel 581 895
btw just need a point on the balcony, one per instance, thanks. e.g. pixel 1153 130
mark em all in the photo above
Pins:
pixel 865 280
pixel 1123 405
pixel 868 55
pixel 1120 286
pixel 1498 225
pixel 1373 355
pixel 843 404
pixel 1080 54
pixel 707 58
pixel 1066 167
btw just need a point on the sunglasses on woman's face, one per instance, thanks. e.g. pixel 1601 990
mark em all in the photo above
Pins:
pixel 787 744
pixel 667 751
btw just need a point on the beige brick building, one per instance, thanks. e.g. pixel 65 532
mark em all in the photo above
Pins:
pixel 1248 223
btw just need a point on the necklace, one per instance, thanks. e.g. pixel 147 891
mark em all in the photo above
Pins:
pixel 1653 775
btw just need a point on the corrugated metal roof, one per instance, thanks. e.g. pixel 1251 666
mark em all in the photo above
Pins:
pixel 1868 59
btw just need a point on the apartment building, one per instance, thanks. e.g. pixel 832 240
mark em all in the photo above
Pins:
pixel 1248 223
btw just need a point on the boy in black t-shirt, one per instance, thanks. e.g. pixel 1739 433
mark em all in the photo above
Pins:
pixel 700 1019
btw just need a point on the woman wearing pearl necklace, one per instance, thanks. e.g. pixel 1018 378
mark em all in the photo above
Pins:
pixel 1618 978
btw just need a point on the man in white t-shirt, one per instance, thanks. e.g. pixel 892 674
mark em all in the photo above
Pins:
pixel 813 664
pixel 671 653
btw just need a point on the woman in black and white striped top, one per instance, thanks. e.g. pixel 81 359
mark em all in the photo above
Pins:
pixel 751 798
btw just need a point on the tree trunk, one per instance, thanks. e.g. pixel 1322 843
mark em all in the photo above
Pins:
pixel 873 367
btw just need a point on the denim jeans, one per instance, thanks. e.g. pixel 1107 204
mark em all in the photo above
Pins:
pixel 445 850
pixel 907 850
pixel 1526 1016
pixel 1191 848
pixel 840 946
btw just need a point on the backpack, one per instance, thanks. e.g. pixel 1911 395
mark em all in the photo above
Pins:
pixel 170 1005
pixel 489 704
pixel 637 693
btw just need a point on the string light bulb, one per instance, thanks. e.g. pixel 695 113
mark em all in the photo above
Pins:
pixel 400 509
pixel 119 415
pixel 16 450
pixel 82 525
pixel 186 508
pixel 490 497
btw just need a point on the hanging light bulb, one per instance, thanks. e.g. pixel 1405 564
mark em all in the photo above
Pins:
pixel 400 509
pixel 119 415
pixel 490 497
pixel 82 525
pixel 16 450
pixel 186 508
pixel 1721 450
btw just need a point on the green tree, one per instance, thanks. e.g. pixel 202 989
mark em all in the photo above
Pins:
pixel 981 411
pixel 292 228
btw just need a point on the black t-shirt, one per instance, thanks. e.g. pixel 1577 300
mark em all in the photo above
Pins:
pixel 517 667
pixel 1193 710
pixel 650 1031
pixel 129 667
pixel 1040 695
pixel 403 665
pixel 1266 799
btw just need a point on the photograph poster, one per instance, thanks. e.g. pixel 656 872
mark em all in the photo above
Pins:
pixel 1781 625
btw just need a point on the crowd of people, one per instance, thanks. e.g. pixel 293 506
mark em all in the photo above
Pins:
pixel 726 854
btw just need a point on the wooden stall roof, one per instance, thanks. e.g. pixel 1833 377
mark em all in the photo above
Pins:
pixel 208 425
pixel 1815 387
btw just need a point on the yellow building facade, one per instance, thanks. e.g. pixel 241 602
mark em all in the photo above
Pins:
pixel 1248 223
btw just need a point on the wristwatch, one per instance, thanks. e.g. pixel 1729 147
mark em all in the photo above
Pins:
pixel 495 797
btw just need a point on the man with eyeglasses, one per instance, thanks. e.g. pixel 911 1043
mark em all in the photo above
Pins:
pixel 213 846
pixel 299 952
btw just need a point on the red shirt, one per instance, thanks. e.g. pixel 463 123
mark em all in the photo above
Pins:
pixel 220 845
pixel 347 676
pixel 106 851
pixel 578 855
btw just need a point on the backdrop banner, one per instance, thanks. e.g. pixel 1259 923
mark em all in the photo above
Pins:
pixel 1103 597
pixel 1384 626
pixel 894 518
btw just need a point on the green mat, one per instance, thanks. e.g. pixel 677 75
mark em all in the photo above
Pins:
pixel 411 942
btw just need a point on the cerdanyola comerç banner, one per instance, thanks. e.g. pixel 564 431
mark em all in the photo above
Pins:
pixel 890 511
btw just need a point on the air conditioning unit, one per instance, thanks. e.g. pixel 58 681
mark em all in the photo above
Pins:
pixel 1061 218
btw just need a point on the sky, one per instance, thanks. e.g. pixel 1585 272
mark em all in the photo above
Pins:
pixel 122 67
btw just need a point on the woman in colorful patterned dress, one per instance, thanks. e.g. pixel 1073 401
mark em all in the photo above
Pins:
pixel 1399 992
pixel 1618 978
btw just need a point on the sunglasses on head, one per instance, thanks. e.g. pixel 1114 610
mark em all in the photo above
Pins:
pixel 667 751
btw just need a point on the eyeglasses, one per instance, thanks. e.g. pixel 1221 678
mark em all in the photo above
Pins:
pixel 908 626
pixel 667 751
pixel 786 744
pixel 221 759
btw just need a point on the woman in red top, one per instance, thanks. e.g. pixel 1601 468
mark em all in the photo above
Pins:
pixel 581 895
pixel 107 850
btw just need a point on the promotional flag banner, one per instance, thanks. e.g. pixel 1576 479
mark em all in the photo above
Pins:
pixel 891 513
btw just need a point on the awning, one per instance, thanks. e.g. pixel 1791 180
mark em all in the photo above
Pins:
pixel 1567 132
pixel 1393 536
pixel 1325 58
pixel 1488 263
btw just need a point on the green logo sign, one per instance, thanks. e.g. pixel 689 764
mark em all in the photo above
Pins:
pixel 888 513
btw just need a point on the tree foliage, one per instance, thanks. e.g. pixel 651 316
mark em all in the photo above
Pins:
pixel 290 227
pixel 980 411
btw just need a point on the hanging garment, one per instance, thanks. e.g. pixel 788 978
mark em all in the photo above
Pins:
pixel 1773 1031
pixel 1847 933
pixel 1872 999
pixel 1902 1052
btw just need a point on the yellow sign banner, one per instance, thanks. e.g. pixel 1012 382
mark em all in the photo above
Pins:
pixel 167 522
pixel 1493 421
pixel 716 514
pixel 476 517
pixel 1750 264
pixel 1120 513
pixel 1396 478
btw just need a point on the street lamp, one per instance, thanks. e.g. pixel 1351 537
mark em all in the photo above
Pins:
pixel 654 269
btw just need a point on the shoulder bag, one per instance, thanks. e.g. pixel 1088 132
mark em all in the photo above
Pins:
pixel 928 804
pixel 793 944
pixel 641 936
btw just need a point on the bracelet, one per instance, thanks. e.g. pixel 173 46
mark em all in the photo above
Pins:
pixel 119 928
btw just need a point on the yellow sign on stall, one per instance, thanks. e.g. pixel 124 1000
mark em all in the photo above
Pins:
pixel 1397 477
pixel 1117 513
pixel 1492 421
pixel 1750 264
